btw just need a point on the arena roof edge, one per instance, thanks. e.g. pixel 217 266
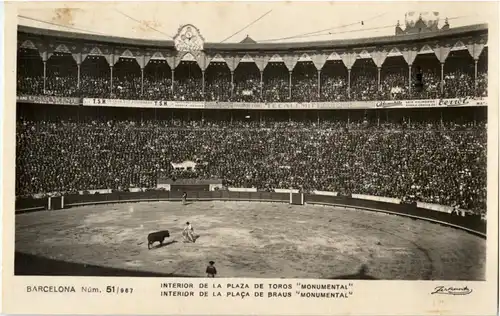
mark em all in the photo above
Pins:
pixel 247 47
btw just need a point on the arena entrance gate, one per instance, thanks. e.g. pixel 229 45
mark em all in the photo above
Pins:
pixel 296 197
pixel 55 203
pixel 178 186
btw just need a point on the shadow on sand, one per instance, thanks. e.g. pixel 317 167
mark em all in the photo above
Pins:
pixel 158 246
pixel 26 264
pixel 195 238
pixel 362 274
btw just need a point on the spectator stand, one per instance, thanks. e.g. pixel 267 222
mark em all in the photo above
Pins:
pixel 209 107
pixel 288 72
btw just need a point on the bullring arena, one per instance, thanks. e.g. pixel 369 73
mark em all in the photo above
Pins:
pixel 251 239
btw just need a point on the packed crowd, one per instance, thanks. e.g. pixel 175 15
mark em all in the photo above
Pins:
pixel 445 165
pixel 188 85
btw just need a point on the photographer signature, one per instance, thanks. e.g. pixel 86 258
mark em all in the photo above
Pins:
pixel 452 290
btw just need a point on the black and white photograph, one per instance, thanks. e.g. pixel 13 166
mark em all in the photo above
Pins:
pixel 276 140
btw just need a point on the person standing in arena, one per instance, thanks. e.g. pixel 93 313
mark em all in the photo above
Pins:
pixel 184 198
pixel 188 233
pixel 211 270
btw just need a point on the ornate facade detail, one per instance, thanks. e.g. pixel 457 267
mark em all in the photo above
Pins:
pixel 420 22
pixel 189 39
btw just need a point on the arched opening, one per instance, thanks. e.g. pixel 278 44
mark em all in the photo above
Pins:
pixel 62 75
pixel 126 79
pixel 157 80
pixel 218 82
pixel 247 82
pixel 482 74
pixel 459 74
pixel 276 87
pixel 188 82
pixel 29 72
pixel 334 81
pixel 364 79
pixel 394 79
pixel 304 82
pixel 95 81
pixel 428 65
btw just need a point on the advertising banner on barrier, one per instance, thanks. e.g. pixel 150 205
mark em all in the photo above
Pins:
pixel 143 103
pixel 122 103
pixel 463 102
pixel 43 99
pixel 290 105
pixel 420 103
pixel 428 103
pixel 261 106
pixel 390 104
pixel 345 105
pixel 186 104
pixel 228 105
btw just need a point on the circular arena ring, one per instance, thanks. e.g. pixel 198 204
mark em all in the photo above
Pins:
pixel 245 239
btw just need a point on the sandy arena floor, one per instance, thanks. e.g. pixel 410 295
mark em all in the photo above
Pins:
pixel 267 240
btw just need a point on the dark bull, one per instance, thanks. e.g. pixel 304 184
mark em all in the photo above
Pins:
pixel 157 237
